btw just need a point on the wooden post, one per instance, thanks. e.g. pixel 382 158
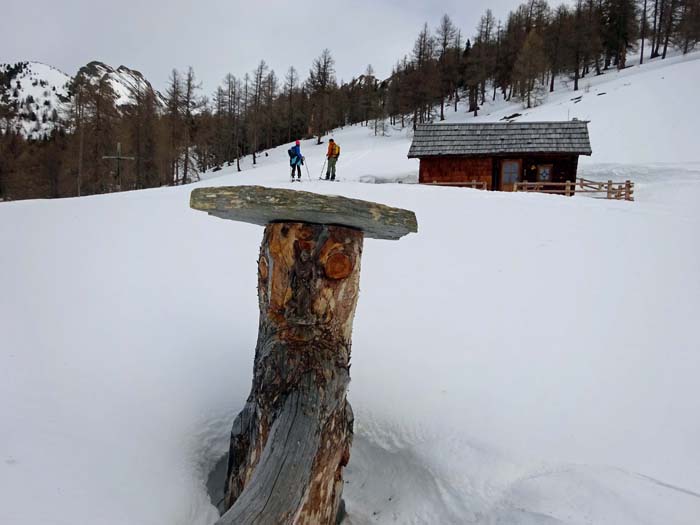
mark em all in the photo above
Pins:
pixel 628 190
pixel 568 188
pixel 609 189
pixel 292 439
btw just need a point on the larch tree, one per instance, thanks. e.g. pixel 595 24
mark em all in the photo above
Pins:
pixel 445 35
pixel 620 30
pixel 529 67
pixel 321 84
pixel 140 116
pixel 643 30
pixel 687 34
pixel 669 24
pixel 291 83
pixel 191 102
pixel 175 124
pixel 255 115
pixel 554 43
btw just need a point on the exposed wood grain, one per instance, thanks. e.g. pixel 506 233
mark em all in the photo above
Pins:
pixel 291 441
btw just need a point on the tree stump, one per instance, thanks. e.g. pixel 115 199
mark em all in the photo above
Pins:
pixel 292 439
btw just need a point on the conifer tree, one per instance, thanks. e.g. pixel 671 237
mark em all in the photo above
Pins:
pixel 321 84
pixel 529 68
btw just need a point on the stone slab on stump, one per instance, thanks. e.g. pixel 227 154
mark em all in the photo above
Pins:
pixel 260 205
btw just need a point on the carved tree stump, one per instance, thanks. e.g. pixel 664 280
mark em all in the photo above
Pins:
pixel 292 439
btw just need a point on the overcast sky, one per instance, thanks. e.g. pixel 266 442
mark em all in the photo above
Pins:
pixel 216 37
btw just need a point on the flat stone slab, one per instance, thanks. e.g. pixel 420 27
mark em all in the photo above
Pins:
pixel 260 205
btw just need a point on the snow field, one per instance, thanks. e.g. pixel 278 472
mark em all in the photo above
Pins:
pixel 523 359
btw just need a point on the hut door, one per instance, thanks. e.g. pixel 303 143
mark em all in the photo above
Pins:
pixel 510 174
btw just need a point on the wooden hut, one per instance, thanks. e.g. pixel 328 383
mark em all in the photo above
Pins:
pixel 499 155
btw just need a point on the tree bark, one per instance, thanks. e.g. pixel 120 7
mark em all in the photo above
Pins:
pixel 291 441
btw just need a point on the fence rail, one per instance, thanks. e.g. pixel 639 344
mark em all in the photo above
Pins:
pixel 609 190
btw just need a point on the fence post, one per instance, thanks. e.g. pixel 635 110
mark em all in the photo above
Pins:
pixel 568 188
pixel 628 190
pixel 609 189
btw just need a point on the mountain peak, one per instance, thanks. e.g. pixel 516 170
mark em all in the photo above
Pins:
pixel 37 91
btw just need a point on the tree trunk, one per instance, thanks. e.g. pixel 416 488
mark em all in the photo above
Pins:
pixel 662 13
pixel 291 441
pixel 551 82
pixel 643 32
pixel 653 31
pixel 669 27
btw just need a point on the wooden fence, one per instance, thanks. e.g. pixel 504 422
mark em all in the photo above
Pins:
pixel 608 190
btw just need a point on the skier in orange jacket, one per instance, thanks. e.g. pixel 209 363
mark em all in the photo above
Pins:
pixel 332 154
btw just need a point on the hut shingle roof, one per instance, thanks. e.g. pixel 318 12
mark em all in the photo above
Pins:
pixel 500 138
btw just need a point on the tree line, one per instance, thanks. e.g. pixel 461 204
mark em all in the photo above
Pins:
pixel 171 139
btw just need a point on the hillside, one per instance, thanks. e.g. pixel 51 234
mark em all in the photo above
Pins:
pixel 524 358
pixel 40 93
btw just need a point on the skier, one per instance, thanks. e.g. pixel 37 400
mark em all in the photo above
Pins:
pixel 332 155
pixel 296 160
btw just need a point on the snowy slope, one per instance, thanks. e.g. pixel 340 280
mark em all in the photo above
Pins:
pixel 38 90
pixel 523 359
pixel 639 115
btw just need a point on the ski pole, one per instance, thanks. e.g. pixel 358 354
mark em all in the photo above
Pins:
pixel 307 172
pixel 322 168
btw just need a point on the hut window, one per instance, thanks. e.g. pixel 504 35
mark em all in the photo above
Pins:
pixel 544 172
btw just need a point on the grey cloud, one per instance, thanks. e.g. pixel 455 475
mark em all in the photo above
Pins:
pixel 217 37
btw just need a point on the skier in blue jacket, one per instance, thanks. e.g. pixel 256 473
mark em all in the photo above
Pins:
pixel 296 160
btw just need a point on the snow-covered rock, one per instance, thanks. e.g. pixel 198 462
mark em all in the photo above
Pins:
pixel 122 80
pixel 37 91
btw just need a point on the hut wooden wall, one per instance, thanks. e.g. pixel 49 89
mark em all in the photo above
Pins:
pixel 456 169
pixel 488 169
